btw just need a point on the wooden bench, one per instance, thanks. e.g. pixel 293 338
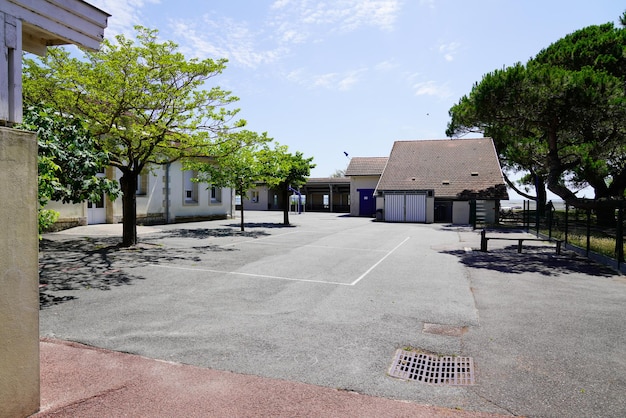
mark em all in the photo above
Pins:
pixel 484 239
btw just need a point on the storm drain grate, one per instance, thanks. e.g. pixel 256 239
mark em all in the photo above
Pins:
pixel 425 368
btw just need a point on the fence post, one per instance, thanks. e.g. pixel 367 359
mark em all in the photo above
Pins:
pixel 619 234
pixel 550 218
pixel 537 219
pixel 483 241
pixel 588 231
pixel 566 222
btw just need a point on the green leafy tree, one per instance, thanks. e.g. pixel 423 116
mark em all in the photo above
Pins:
pixel 283 171
pixel 595 57
pixel 233 164
pixel 68 162
pixel 144 101
pixel 338 174
pixel 560 118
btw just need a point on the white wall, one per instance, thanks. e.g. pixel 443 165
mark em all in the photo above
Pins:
pixel 262 201
pixel 362 182
pixel 430 209
pixel 461 212
pixel 153 203
pixel 203 206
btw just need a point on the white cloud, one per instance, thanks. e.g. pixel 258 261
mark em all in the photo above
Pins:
pixel 350 79
pixel 125 14
pixel 449 50
pixel 307 17
pixel 386 66
pixel 428 3
pixel 224 38
pixel 289 23
pixel 325 80
pixel 331 81
pixel 279 4
pixel 432 88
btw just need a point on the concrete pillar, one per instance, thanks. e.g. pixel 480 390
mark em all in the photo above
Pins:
pixel 19 280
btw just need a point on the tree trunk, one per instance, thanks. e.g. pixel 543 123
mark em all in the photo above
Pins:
pixel 241 208
pixel 542 195
pixel 606 215
pixel 128 184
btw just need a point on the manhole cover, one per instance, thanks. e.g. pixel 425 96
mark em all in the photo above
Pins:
pixel 426 368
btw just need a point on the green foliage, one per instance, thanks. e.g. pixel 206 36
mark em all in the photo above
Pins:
pixel 69 158
pixel 144 101
pixel 68 162
pixel 46 218
pixel 234 163
pixel 282 170
pixel 561 118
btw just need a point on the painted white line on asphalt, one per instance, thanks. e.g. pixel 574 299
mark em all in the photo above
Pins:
pixel 379 261
pixel 260 239
pixel 262 276
pixel 326 247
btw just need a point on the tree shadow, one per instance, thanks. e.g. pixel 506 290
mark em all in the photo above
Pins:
pixel 71 264
pixel 202 233
pixel 75 264
pixel 261 225
pixel 540 260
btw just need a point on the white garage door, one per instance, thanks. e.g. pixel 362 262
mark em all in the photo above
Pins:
pixel 405 207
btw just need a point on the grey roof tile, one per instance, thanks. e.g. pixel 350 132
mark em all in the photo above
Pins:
pixel 366 166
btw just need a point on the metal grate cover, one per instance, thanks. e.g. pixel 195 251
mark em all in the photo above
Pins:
pixel 425 368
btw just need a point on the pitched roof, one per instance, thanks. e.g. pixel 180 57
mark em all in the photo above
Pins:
pixel 452 168
pixel 327 180
pixel 366 166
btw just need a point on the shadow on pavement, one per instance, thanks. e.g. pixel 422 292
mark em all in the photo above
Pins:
pixel 202 233
pixel 539 260
pixel 100 263
pixel 260 225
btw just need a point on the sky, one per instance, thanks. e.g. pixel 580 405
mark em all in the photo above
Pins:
pixel 326 77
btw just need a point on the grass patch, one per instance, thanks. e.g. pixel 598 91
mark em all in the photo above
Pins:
pixel 598 244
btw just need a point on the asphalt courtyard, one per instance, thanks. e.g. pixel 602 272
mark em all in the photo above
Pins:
pixel 330 299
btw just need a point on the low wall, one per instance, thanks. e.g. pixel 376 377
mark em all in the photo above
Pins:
pixel 19 281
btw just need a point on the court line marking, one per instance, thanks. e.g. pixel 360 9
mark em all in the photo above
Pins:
pixel 260 239
pixel 265 276
pixel 379 261
pixel 328 247
pixel 238 273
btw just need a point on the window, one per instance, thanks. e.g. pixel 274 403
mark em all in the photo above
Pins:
pixel 216 194
pixel 254 196
pixel 142 184
pixel 190 188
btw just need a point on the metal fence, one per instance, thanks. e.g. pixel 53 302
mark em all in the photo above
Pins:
pixel 594 232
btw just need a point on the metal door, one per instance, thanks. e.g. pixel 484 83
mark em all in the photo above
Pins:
pixel 405 207
pixel 96 211
pixel 394 207
pixel 415 208
pixel 367 203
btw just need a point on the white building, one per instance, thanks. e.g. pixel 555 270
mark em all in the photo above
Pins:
pixel 165 194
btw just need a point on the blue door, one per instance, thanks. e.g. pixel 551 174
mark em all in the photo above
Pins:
pixel 367 203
